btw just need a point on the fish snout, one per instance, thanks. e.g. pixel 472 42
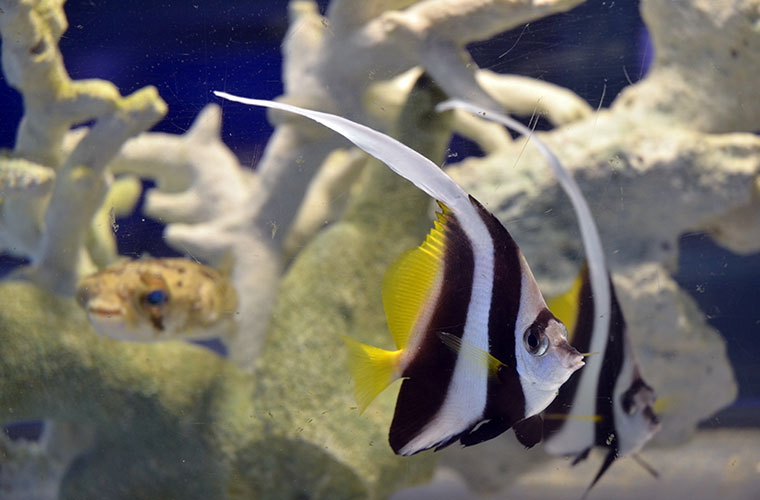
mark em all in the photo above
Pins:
pixel 570 356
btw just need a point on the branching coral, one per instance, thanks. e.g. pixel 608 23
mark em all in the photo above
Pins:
pixel 25 189
pixel 223 214
pixel 53 103
pixel 291 428
pixel 382 39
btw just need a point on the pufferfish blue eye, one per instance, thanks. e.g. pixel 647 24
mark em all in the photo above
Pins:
pixel 157 297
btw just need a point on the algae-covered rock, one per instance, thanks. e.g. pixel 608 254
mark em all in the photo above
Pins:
pixel 333 288
pixel 168 418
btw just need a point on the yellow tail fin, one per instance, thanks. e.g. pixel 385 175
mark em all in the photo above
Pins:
pixel 372 368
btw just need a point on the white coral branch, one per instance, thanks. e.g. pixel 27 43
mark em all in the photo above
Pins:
pixel 53 102
pixel 25 189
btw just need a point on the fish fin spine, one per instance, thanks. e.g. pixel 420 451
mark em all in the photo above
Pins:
pixel 373 369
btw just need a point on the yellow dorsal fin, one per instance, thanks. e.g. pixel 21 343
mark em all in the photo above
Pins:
pixel 409 280
pixel 471 352
pixel 566 306
pixel 372 368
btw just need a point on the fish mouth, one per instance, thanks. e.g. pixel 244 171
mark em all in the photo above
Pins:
pixel 103 312
pixel 573 358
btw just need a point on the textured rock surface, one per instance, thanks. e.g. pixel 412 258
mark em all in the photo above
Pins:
pixel 25 189
pixel 27 471
pixel 140 398
pixel 715 464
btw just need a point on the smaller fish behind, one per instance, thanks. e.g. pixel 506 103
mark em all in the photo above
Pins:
pixel 151 300
pixel 612 389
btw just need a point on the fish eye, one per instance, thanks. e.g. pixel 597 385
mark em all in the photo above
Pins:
pixel 157 297
pixel 535 340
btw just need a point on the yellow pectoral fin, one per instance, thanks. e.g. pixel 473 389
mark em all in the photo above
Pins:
pixel 471 353
pixel 372 368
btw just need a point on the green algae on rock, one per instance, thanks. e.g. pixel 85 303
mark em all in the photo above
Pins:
pixel 184 407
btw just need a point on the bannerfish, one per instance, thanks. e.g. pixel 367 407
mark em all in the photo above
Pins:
pixel 477 348
pixel 153 299
pixel 616 395
pixel 607 403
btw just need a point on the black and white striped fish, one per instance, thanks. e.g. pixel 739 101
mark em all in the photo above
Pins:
pixel 476 345
pixel 610 387
pixel 607 403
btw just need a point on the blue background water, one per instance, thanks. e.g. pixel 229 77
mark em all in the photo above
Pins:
pixel 189 48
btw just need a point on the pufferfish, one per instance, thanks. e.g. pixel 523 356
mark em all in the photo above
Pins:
pixel 477 348
pixel 158 299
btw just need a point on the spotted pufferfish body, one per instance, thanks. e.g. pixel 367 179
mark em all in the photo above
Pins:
pixel 157 299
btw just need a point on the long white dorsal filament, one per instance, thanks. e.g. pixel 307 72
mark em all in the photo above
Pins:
pixel 592 243
pixel 402 159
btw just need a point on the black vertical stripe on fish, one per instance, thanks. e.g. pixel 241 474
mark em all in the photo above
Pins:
pixel 429 373
pixel 505 395
pixel 612 364
pixel 529 431
pixel 505 402
pixel 505 406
